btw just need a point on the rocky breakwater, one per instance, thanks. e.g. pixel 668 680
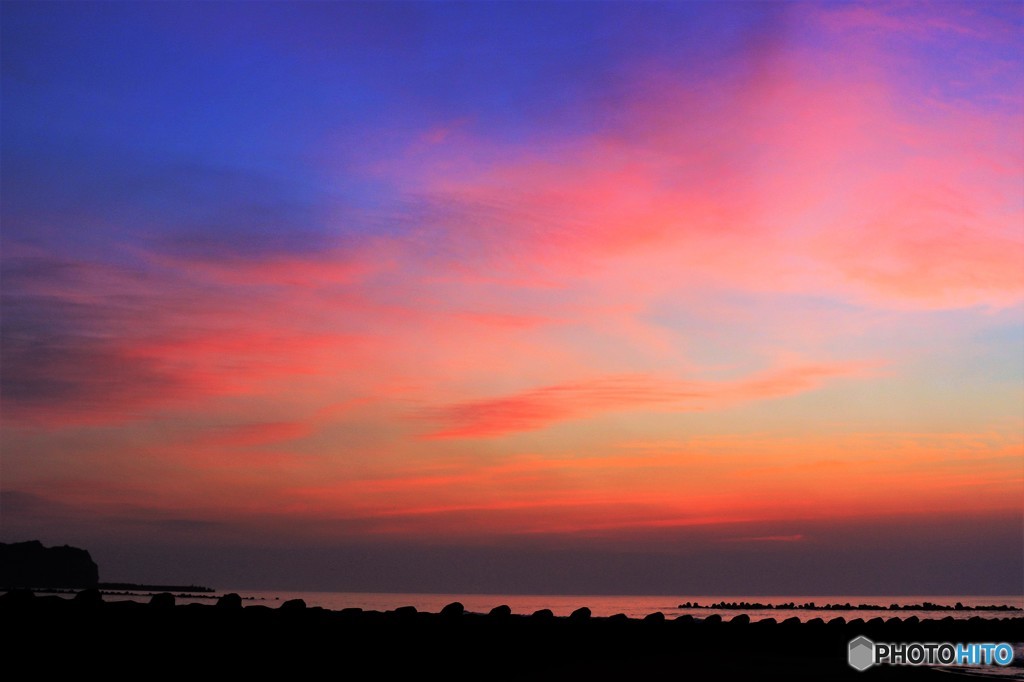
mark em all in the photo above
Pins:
pixel 124 638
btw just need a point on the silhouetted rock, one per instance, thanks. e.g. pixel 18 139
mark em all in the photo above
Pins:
pixel 405 612
pixel 713 618
pixel 542 614
pixel 162 600
pixel 453 610
pixel 89 597
pixel 656 617
pixel 582 613
pixel 230 601
pixel 29 564
pixel 503 611
pixel 619 618
pixel 685 619
pixel 258 608
pixel 741 619
pixel 293 605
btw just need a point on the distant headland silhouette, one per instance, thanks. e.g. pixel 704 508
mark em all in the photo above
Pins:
pixel 30 565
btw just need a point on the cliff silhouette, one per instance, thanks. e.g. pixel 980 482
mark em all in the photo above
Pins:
pixel 30 564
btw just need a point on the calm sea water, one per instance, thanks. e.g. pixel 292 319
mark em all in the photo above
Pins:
pixel 631 606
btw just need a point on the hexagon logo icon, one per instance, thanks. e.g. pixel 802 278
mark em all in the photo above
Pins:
pixel 862 653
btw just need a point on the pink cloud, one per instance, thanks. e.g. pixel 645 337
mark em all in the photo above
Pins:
pixel 920 20
pixel 805 175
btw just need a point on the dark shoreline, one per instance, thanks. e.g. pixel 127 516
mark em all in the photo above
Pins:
pixel 136 587
pixel 89 633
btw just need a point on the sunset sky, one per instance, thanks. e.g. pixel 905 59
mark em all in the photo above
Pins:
pixel 568 297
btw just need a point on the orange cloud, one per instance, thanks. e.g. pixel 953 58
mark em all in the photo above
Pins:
pixel 255 433
pixel 540 407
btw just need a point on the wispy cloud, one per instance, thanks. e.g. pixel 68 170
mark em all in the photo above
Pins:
pixel 538 408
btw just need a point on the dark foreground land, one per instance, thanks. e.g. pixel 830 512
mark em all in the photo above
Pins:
pixel 125 639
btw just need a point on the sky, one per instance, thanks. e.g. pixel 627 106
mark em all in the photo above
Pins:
pixel 563 297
